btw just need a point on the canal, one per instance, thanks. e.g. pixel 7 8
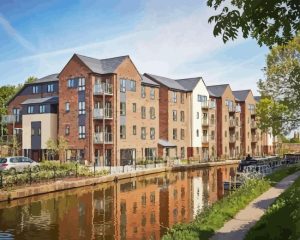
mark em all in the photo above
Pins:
pixel 137 208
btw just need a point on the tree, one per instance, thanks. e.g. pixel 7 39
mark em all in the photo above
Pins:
pixel 270 22
pixel 57 147
pixel 31 79
pixel 281 87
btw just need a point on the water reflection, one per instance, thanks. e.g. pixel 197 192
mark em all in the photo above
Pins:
pixel 141 208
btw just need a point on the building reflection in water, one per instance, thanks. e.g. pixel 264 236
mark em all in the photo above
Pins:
pixel 141 208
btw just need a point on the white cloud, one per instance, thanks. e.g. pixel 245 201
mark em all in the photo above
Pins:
pixel 11 31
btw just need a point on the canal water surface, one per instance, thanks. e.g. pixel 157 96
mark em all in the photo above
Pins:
pixel 137 208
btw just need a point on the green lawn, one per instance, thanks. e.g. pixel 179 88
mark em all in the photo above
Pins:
pixel 214 217
pixel 282 219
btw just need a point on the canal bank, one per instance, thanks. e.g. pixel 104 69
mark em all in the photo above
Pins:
pixel 67 184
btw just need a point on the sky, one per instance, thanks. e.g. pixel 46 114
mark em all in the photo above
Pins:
pixel 171 38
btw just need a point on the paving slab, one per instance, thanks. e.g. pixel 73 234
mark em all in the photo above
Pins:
pixel 236 228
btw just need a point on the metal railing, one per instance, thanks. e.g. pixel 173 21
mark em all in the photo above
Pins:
pixel 103 137
pixel 232 139
pixel 103 88
pixel 102 113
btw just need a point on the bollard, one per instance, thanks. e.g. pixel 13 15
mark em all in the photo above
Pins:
pixel 94 169
pixel 76 165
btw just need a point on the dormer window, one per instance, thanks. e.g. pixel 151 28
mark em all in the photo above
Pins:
pixel 50 88
pixel 35 89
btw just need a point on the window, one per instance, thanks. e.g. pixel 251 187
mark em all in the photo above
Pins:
pixel 152 133
pixel 122 131
pixel 198 115
pixel 143 91
pixel 197 132
pixel 32 131
pixel 122 85
pixel 35 89
pixel 152 112
pixel 134 107
pixel 174 133
pixel 143 133
pixel 71 83
pixel 42 108
pixel 50 88
pixel 30 109
pixel 16 113
pixel 152 197
pixel 182 152
pixel 132 85
pixel 150 153
pixel 202 98
pixel 67 106
pixel 174 97
pixel 182 98
pixel 182 116
pixel 143 112
pixel 81 131
pixel 134 130
pixel 182 134
pixel 123 108
pixel 174 115
pixel 225 133
pixel 67 130
pixel 212 135
pixel 81 84
pixel 225 118
pixel 81 107
pixel 152 93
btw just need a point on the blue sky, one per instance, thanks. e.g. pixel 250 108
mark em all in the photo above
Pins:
pixel 170 38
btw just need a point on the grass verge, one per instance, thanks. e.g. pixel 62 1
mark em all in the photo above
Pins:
pixel 214 217
pixel 282 219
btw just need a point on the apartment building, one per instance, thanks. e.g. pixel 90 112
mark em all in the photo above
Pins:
pixel 228 121
pixel 251 138
pixel 107 111
pixel 33 115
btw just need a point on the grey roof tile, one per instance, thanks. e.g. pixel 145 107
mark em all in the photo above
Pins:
pixel 189 83
pixel 148 81
pixel 53 99
pixel 168 82
pixel 217 90
pixel 241 95
pixel 49 78
pixel 257 98
pixel 102 66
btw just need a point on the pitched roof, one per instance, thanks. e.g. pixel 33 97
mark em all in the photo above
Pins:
pixel 53 99
pixel 168 82
pixel 102 66
pixel 257 98
pixel 241 95
pixel 217 90
pixel 49 78
pixel 189 83
pixel 148 81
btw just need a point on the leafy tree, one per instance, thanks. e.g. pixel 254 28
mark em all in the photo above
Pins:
pixel 31 79
pixel 270 22
pixel 57 147
pixel 281 87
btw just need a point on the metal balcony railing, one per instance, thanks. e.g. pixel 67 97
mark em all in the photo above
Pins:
pixel 103 88
pixel 102 113
pixel 103 137
pixel 232 139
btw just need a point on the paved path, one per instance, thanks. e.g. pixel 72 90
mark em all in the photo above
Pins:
pixel 237 228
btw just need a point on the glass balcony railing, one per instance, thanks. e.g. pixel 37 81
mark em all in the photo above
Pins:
pixel 103 88
pixel 102 113
pixel 232 139
pixel 253 124
pixel 204 139
pixel 205 121
pixel 103 137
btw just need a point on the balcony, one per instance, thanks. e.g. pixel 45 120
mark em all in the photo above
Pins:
pixel 231 109
pixel 9 119
pixel 254 138
pixel 252 111
pixel 103 88
pixel 253 125
pixel 232 139
pixel 102 113
pixel 205 122
pixel 232 123
pixel 205 139
pixel 103 138
pixel 205 105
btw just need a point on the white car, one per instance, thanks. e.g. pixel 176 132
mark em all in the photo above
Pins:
pixel 17 164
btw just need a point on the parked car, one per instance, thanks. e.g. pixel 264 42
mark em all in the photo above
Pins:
pixel 17 164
